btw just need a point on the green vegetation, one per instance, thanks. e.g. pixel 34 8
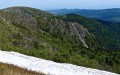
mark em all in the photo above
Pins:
pixel 40 34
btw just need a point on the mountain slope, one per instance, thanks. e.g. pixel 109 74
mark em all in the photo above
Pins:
pixel 106 33
pixel 41 22
pixel 112 15
pixel 37 33
pixel 47 67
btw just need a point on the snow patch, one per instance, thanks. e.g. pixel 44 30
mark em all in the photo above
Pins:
pixel 46 66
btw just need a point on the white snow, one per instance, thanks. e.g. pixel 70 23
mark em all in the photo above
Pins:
pixel 46 66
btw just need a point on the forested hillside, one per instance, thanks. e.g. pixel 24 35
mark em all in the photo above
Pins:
pixel 106 33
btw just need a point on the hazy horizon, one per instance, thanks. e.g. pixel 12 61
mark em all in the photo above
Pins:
pixel 62 4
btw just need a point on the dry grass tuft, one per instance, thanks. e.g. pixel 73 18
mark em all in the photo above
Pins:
pixel 6 69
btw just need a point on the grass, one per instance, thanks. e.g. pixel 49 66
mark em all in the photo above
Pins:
pixel 6 69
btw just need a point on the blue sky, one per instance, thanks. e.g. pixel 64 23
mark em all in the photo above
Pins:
pixel 60 4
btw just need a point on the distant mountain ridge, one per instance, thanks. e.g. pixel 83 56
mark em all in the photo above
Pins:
pixel 112 14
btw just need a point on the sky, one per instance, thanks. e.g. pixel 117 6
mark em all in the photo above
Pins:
pixel 61 4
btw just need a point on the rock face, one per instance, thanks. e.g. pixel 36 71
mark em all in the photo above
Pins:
pixel 81 33
pixel 70 29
